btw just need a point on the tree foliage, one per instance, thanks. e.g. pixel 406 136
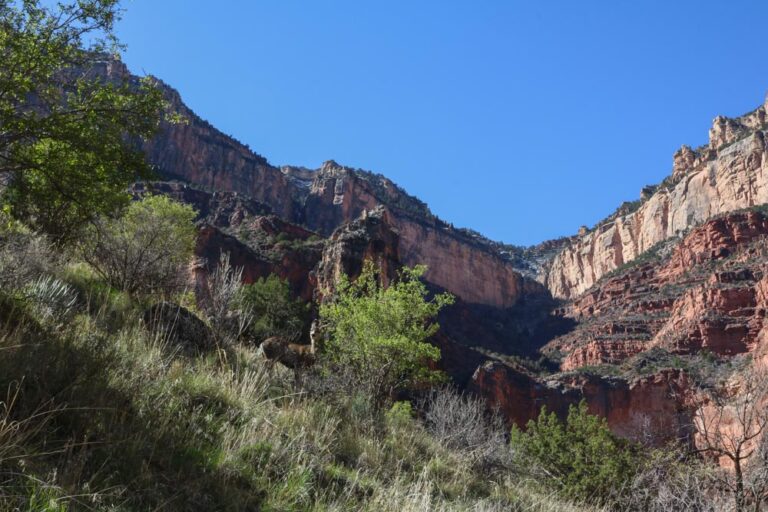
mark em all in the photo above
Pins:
pixel 69 133
pixel 581 456
pixel 275 312
pixel 381 334
pixel 146 250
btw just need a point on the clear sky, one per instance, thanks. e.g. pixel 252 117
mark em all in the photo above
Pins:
pixel 520 119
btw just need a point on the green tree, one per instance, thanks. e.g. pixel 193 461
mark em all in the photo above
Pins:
pixel 581 456
pixel 69 131
pixel 146 250
pixel 275 311
pixel 380 334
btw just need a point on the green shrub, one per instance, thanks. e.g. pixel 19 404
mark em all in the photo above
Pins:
pixel 581 457
pixel 275 312
pixel 400 413
pixel 381 334
pixel 146 250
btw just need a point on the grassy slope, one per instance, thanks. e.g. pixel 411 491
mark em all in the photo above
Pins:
pixel 99 415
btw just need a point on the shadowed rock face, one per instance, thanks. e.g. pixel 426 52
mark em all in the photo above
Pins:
pixel 294 265
pixel 257 241
pixel 654 409
pixel 730 173
pixel 369 238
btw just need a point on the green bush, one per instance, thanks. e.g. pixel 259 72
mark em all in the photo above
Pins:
pixel 146 250
pixel 275 311
pixel 380 334
pixel 581 457
pixel 400 413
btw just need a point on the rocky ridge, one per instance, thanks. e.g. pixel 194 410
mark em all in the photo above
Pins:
pixel 706 293
pixel 322 200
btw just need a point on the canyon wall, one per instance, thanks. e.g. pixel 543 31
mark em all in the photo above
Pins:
pixel 467 268
pixel 655 409
pixel 195 152
pixel 699 287
pixel 192 150
pixel 705 293
pixel 729 173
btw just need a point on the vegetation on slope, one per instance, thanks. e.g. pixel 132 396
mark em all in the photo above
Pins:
pixel 107 403
pixel 101 412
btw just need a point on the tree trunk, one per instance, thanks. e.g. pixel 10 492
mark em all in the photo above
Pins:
pixel 739 486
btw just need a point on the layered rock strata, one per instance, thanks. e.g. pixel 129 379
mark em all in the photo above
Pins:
pixel 707 293
pixel 729 173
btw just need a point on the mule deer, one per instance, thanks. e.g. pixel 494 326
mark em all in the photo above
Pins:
pixel 289 354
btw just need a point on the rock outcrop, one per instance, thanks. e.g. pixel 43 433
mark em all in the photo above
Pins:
pixel 653 409
pixel 178 328
pixel 369 238
pixel 730 173
pixel 294 263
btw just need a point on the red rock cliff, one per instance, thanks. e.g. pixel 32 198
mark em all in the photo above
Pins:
pixel 729 173
pixel 706 293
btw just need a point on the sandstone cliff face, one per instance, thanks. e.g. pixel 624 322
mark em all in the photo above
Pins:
pixel 334 195
pixel 194 151
pixel 465 267
pixel 707 293
pixel 325 199
pixel 730 173
pixel 476 275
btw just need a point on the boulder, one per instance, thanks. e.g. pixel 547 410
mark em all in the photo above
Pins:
pixel 179 327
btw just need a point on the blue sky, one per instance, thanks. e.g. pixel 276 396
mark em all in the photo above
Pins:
pixel 522 120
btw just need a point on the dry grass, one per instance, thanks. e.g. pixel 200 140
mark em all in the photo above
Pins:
pixel 97 413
